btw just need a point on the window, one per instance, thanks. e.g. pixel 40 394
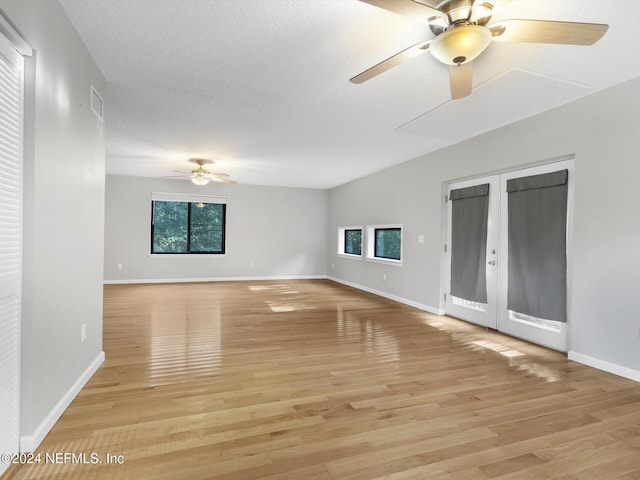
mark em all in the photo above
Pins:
pixel 387 243
pixel 350 241
pixel 353 242
pixel 384 243
pixel 193 224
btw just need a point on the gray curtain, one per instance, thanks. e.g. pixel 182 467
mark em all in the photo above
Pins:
pixel 537 245
pixel 470 209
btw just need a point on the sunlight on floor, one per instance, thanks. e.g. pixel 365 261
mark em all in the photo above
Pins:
pixel 182 342
pixel 293 303
pixel 374 338
pixel 476 339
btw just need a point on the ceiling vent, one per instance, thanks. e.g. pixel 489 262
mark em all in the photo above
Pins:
pixel 97 104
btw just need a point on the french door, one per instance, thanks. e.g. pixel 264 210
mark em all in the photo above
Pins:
pixel 472 250
pixel 507 252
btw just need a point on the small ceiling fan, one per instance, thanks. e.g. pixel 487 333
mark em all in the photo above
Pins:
pixel 462 32
pixel 201 176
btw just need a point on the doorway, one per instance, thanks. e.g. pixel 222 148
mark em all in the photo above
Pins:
pixel 506 252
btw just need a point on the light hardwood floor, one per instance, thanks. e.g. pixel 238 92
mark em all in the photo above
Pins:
pixel 311 380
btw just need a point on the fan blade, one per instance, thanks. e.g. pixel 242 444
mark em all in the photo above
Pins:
pixel 210 178
pixel 223 180
pixel 180 171
pixel 408 8
pixel 544 31
pixel 397 59
pixel 461 80
pixel 213 175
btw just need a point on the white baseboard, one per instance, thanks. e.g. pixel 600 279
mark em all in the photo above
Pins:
pixel 29 443
pixel 411 303
pixel 606 366
pixel 215 279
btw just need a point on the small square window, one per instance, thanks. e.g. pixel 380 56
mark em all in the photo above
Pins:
pixel 353 242
pixel 350 241
pixel 388 243
pixel 384 243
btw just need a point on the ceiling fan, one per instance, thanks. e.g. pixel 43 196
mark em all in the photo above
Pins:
pixel 201 176
pixel 462 32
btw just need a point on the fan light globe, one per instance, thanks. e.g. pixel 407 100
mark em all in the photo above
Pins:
pixel 199 180
pixel 460 44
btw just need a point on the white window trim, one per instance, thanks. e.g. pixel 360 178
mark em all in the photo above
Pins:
pixel 371 241
pixel 187 197
pixel 341 252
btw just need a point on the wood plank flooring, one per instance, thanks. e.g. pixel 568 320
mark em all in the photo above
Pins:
pixel 311 380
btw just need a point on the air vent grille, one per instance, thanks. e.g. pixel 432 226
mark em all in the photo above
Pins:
pixel 97 104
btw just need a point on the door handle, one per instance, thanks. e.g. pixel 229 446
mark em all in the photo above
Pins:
pixel 492 262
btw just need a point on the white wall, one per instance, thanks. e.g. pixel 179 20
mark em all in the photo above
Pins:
pixel 281 231
pixel 63 216
pixel 601 130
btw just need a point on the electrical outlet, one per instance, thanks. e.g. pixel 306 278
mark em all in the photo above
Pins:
pixel 384 276
pixel 119 266
pixel 333 265
pixel 83 333
pixel 252 264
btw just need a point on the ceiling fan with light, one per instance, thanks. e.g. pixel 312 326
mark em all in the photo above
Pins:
pixel 201 176
pixel 463 31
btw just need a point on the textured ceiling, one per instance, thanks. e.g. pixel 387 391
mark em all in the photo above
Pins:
pixel 261 86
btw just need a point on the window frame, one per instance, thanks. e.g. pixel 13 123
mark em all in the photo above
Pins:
pixel 191 201
pixel 342 237
pixel 372 242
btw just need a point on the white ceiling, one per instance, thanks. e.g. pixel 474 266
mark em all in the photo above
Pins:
pixel 261 86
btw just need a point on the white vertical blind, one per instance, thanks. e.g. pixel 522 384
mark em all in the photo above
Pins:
pixel 11 127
